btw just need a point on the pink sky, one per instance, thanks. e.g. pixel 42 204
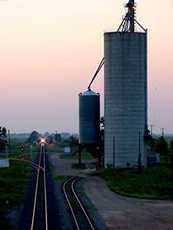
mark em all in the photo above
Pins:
pixel 50 49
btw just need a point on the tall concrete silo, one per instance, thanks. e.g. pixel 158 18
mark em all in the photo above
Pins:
pixel 125 53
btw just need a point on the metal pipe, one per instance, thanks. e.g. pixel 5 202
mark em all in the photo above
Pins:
pixel 96 73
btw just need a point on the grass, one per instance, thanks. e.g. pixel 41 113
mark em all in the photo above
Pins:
pixel 153 183
pixel 56 176
pixel 12 188
pixel 60 178
pixel 85 156
pixel 54 148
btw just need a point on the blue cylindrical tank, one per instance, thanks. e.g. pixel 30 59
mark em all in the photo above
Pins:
pixel 89 117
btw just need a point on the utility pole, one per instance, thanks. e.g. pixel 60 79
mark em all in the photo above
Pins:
pixel 113 151
pixel 139 154
pixel 9 142
pixel 31 151
pixel 80 155
pixel 152 129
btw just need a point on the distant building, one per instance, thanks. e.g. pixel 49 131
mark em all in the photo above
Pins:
pixel 65 136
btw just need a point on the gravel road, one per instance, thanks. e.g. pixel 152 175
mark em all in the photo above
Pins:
pixel 118 212
pixel 121 213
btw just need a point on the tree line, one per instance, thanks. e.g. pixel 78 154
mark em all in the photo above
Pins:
pixel 3 139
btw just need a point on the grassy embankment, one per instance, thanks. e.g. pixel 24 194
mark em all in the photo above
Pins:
pixel 59 149
pixel 54 149
pixel 84 156
pixel 12 185
pixel 152 183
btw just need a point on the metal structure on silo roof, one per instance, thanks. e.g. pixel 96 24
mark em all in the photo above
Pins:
pixel 125 77
pixel 89 118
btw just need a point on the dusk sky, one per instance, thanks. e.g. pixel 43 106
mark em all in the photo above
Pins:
pixel 49 51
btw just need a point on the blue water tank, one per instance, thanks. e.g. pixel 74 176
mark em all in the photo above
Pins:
pixel 89 117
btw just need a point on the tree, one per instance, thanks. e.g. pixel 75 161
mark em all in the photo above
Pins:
pixel 171 155
pixel 3 139
pixel 57 137
pixel 171 147
pixel 148 139
pixel 73 141
pixel 162 146
pixel 4 132
pixel 33 137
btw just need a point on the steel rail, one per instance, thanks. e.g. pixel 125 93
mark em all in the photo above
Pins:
pixel 81 205
pixel 78 201
pixel 69 204
pixel 45 189
pixel 43 168
pixel 35 166
pixel 36 192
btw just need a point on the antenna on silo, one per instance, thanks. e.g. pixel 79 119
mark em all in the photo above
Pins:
pixel 131 15
pixel 129 21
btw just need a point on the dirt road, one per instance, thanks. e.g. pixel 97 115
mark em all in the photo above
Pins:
pixel 121 213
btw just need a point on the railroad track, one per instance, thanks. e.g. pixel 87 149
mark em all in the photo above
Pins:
pixel 80 217
pixel 39 212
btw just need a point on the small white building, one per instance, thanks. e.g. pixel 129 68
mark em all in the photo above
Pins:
pixel 67 150
pixel 4 163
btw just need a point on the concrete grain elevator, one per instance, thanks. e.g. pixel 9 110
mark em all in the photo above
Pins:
pixel 125 77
